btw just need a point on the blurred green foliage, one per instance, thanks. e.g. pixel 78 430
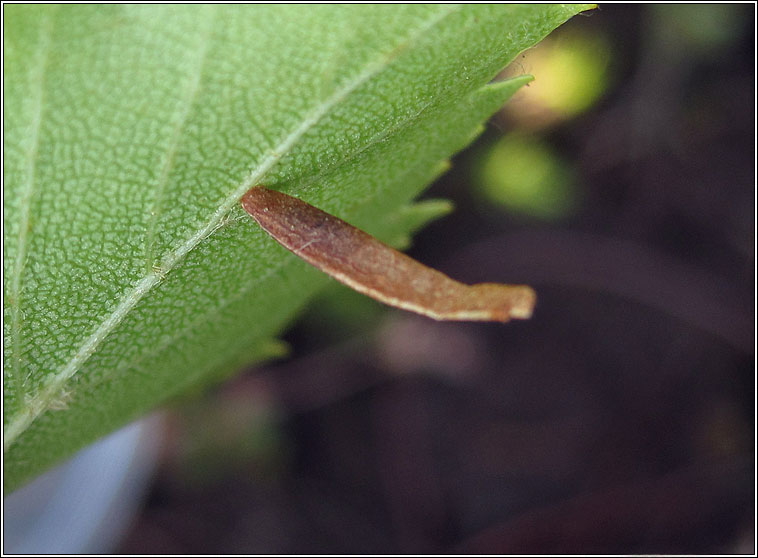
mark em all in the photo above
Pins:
pixel 571 74
pixel 520 171
pixel 704 27
pixel 525 175
pixel 231 431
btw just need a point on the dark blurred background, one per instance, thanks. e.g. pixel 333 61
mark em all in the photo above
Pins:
pixel 620 419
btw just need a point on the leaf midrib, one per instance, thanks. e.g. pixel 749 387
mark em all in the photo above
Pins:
pixel 54 383
pixel 276 267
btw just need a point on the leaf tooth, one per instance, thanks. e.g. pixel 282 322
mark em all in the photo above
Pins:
pixel 415 216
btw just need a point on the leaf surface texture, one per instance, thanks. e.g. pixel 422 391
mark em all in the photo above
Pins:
pixel 130 134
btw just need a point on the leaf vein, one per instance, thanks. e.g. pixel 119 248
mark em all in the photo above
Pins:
pixel 203 318
pixel 170 156
pixel 26 194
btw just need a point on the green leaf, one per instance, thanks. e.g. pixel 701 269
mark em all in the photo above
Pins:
pixel 131 132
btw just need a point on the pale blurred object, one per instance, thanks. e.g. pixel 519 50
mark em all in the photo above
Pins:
pixel 571 74
pixel 84 505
